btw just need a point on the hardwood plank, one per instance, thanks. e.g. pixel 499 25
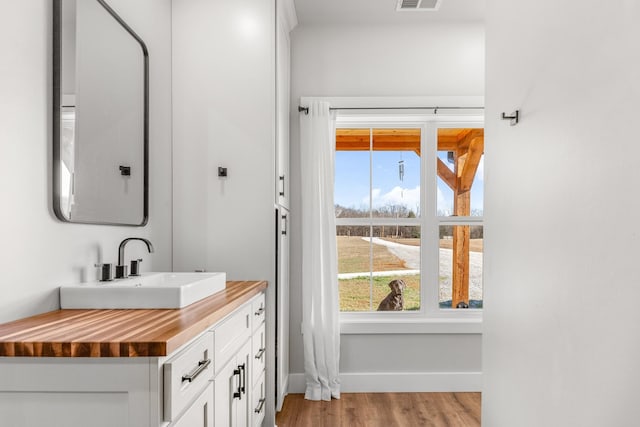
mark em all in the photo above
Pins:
pixel 120 333
pixel 383 410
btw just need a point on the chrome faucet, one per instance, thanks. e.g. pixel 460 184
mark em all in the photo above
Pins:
pixel 121 268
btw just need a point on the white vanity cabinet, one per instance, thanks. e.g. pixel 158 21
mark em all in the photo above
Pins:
pixel 213 379
pixel 240 343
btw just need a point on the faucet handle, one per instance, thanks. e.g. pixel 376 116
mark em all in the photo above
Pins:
pixel 135 267
pixel 106 271
pixel 121 272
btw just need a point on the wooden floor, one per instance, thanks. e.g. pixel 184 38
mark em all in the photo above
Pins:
pixel 383 410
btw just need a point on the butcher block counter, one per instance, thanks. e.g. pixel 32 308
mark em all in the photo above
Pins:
pixel 121 333
pixel 201 365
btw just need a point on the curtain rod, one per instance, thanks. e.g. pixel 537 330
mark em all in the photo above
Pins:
pixel 435 109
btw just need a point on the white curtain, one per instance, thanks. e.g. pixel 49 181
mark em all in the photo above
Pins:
pixel 320 305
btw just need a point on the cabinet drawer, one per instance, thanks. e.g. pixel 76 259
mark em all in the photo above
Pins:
pixel 258 355
pixel 187 374
pixel 231 335
pixel 258 309
pixel 258 402
pixel 200 413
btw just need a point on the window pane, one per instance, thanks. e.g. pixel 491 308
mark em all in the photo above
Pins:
pixel 352 190
pixel 354 267
pixel 445 192
pixel 396 256
pixel 367 266
pixel 461 245
pixel 477 190
pixel 396 173
pixel 460 172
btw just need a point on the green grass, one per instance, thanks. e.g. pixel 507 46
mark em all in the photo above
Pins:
pixel 354 293
pixel 354 256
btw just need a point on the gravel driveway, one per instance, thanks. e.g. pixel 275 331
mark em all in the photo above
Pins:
pixel 411 257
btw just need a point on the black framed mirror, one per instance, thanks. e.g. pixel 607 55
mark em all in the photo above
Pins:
pixel 100 116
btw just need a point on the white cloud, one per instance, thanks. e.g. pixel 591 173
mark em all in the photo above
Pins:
pixel 441 199
pixel 409 197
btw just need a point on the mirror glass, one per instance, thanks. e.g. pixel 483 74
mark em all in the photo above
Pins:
pixel 100 123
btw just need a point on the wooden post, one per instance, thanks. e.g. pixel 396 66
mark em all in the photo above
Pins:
pixel 461 236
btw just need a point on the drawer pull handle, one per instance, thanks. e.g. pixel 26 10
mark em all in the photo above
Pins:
pixel 191 376
pixel 260 353
pixel 260 406
pixel 241 372
pixel 259 312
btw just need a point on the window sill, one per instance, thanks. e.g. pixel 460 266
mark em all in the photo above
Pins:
pixel 377 326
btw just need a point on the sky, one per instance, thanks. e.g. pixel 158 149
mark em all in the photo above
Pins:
pixel 352 181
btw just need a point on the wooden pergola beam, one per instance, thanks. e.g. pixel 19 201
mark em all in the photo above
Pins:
pixel 453 139
pixel 471 162
pixel 466 138
pixel 460 263
pixel 461 236
pixel 447 175
pixel 383 140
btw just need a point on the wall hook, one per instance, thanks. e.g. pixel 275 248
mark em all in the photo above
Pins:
pixel 514 117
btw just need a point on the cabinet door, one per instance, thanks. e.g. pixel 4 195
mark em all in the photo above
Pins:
pixel 225 385
pixel 282 312
pixel 232 390
pixel 231 334
pixel 200 413
pixel 243 404
pixel 282 113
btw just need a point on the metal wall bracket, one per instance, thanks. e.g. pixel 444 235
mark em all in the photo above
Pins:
pixel 514 117
pixel 305 109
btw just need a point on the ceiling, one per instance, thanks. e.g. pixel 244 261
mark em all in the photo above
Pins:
pixel 364 12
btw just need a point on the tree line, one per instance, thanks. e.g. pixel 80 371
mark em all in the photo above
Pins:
pixel 391 231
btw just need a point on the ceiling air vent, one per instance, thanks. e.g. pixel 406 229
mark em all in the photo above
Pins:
pixel 418 5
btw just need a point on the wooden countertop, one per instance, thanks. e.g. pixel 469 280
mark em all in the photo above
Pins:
pixel 120 333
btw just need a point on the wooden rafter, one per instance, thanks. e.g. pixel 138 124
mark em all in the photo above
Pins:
pixel 466 138
pixel 453 139
pixel 471 162
pixel 447 175
pixel 383 140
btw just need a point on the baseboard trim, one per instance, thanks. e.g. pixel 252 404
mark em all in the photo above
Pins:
pixel 283 393
pixel 398 382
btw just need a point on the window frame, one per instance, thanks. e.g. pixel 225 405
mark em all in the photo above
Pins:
pixel 430 318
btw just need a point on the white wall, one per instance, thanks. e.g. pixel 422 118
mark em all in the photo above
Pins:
pixel 37 252
pixel 444 60
pixel 560 343
pixel 224 99
pixel 224 115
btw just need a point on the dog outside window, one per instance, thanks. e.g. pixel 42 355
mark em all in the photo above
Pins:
pixel 394 301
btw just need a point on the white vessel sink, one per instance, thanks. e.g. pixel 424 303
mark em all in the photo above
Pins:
pixel 151 290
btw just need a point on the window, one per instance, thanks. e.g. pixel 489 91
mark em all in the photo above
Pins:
pixel 377 203
pixel 409 206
